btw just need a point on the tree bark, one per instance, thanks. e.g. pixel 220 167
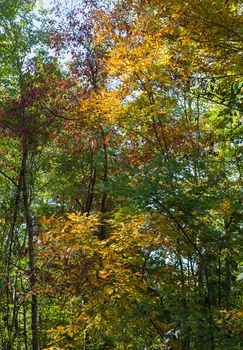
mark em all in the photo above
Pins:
pixel 30 231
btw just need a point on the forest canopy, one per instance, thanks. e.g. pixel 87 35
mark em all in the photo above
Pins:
pixel 121 175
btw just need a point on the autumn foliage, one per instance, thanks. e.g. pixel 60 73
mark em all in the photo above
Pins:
pixel 121 175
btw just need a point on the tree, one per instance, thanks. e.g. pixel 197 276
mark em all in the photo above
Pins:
pixel 125 187
pixel 25 125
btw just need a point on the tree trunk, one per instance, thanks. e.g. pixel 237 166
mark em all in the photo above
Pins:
pixel 30 231
pixel 103 207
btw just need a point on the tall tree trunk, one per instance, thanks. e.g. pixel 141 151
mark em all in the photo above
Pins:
pixel 103 207
pixel 30 231
pixel 92 180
